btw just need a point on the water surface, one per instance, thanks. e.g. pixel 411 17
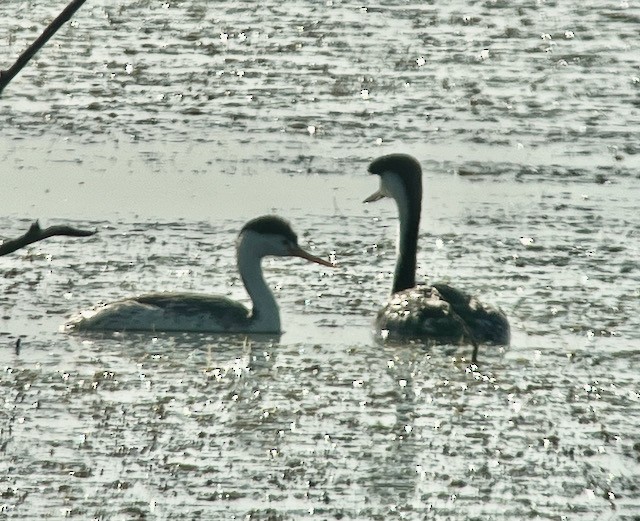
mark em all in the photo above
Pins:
pixel 167 125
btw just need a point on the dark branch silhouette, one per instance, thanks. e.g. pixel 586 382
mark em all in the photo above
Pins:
pixel 8 75
pixel 35 234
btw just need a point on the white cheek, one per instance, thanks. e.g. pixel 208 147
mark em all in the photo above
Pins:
pixel 384 185
pixel 391 186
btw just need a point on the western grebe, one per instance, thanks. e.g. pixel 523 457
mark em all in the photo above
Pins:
pixel 437 312
pixel 260 237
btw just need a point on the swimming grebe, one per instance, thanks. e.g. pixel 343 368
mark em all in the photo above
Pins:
pixel 260 237
pixel 438 313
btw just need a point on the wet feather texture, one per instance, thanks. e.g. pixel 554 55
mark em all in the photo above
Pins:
pixel 440 314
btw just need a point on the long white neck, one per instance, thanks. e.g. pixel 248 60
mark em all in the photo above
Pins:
pixel 265 316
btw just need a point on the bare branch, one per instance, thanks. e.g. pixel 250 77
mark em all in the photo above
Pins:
pixel 67 13
pixel 35 234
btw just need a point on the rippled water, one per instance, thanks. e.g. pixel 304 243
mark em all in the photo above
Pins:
pixel 167 125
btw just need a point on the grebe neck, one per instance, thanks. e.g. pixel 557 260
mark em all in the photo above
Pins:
pixel 409 216
pixel 265 314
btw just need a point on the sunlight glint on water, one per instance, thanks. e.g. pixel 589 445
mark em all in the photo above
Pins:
pixel 168 125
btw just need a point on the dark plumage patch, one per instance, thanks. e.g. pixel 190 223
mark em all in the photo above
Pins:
pixel 272 225
pixel 421 313
pixel 487 324
pixel 227 313
pixel 443 314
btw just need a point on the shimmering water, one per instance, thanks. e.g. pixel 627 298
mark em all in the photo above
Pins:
pixel 167 125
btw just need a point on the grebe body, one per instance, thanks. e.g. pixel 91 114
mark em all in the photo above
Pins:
pixel 436 313
pixel 260 237
pixel 442 314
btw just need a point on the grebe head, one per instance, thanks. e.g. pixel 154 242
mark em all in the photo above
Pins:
pixel 400 178
pixel 271 235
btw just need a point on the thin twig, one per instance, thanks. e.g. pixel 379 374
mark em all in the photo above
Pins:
pixel 35 234
pixel 67 13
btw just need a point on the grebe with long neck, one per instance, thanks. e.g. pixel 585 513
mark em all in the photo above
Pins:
pixel 260 237
pixel 438 313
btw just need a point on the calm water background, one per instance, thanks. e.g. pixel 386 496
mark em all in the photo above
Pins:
pixel 166 125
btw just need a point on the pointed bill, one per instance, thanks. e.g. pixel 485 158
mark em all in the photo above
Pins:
pixel 376 196
pixel 299 252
